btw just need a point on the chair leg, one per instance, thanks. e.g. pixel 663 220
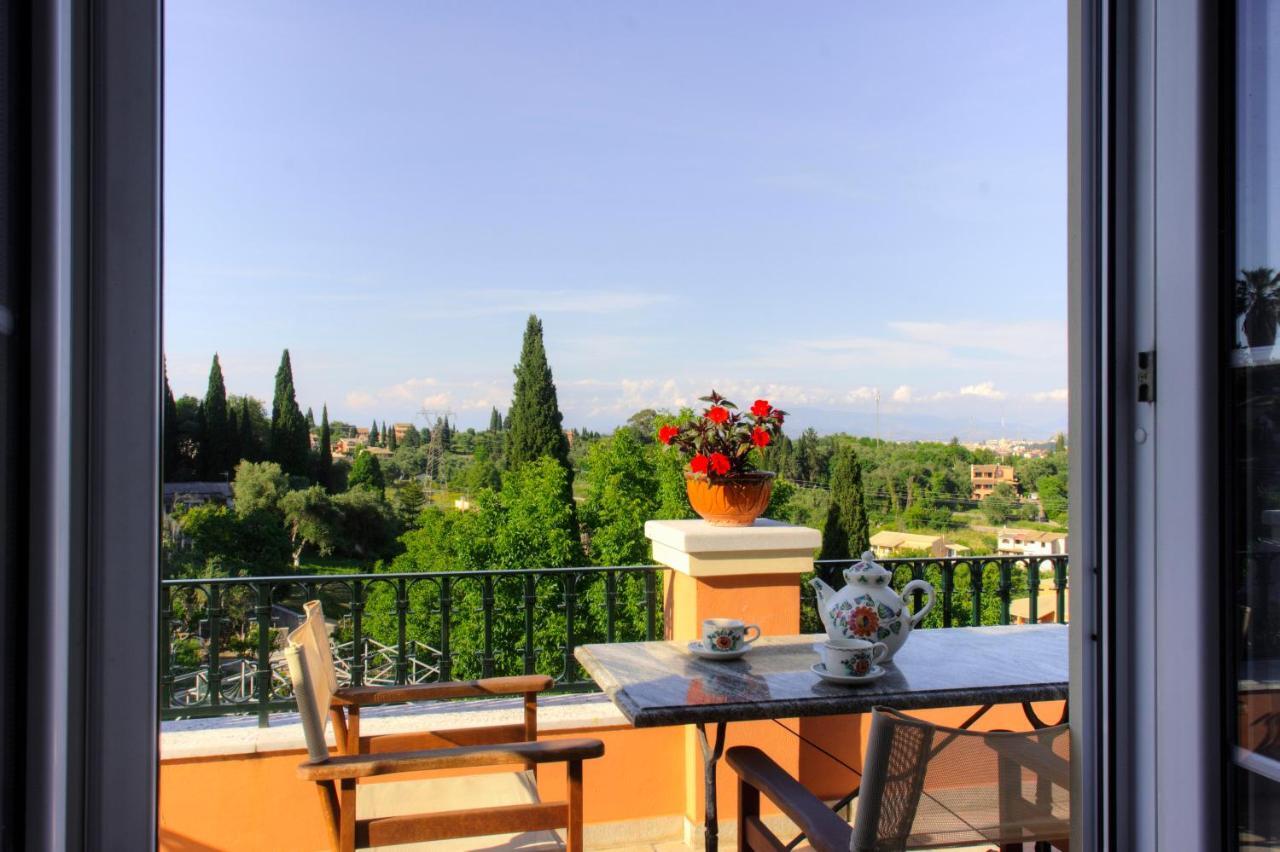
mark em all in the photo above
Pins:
pixel 347 815
pixel 329 809
pixel 748 809
pixel 574 829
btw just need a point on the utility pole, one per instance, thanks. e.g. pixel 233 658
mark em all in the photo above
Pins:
pixel 436 456
pixel 877 417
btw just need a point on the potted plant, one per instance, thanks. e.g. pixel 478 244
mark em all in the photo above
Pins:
pixel 723 485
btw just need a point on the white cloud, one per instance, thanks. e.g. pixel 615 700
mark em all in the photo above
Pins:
pixel 902 394
pixel 985 390
pixel 433 394
pixel 1055 395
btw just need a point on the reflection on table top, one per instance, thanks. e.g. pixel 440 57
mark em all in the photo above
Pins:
pixel 661 683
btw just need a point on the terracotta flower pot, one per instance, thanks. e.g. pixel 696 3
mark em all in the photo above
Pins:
pixel 729 501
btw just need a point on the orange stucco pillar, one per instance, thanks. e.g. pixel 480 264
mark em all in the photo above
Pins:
pixel 749 573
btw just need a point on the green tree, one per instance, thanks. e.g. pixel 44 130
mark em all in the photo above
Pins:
pixel 172 455
pixel 536 422
pixel 495 420
pixel 810 460
pixel 258 486
pixel 373 434
pixel 233 544
pixel 311 420
pixel 409 501
pixel 311 521
pixel 324 464
pixel 1001 504
pixel 367 525
pixel 215 460
pixel 537 429
pixel 1053 496
pixel 622 492
pixel 412 437
pixel 391 438
pixel 366 473
pixel 290 438
pixel 847 532
pixel 252 423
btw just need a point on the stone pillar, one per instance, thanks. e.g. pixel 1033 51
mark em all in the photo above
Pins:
pixel 751 573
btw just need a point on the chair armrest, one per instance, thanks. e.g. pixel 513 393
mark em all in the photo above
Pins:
pixel 1042 761
pixel 823 828
pixel 363 695
pixel 368 765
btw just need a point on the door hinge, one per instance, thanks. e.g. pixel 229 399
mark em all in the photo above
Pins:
pixel 1147 376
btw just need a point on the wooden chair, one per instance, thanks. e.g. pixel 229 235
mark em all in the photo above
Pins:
pixel 503 808
pixel 923 786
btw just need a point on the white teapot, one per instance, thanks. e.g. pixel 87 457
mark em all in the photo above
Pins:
pixel 868 608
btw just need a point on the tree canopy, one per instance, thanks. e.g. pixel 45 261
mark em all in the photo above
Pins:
pixel 290 438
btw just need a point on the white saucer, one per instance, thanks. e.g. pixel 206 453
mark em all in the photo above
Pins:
pixel 820 670
pixel 697 650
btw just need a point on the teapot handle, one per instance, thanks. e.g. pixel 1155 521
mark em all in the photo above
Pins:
pixel 924 610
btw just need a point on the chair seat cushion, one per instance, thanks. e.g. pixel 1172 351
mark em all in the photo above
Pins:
pixel 459 792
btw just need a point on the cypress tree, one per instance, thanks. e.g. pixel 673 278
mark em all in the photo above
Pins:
pixel 536 428
pixel 536 422
pixel 290 444
pixel 172 455
pixel 373 434
pixel 391 438
pixel 311 419
pixel 495 420
pixel 847 533
pixel 233 437
pixel 249 449
pixel 366 472
pixel 215 461
pixel 324 467
pixel 383 433
pixel 411 437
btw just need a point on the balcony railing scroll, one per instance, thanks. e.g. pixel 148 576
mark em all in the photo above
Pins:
pixel 222 638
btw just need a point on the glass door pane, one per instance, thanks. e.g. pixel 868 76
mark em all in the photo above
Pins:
pixel 1253 474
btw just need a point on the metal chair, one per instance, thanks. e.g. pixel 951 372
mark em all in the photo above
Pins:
pixel 491 810
pixel 923 786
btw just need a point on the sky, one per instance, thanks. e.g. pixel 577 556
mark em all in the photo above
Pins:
pixel 806 202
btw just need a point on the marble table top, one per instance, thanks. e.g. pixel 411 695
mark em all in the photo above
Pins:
pixel 661 683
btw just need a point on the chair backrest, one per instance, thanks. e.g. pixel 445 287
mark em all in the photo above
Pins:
pixel 893 773
pixel 929 785
pixel 311 669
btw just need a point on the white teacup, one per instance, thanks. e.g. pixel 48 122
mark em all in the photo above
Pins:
pixel 726 635
pixel 852 657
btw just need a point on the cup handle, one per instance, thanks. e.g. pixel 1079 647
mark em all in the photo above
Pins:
pixel 878 651
pixel 748 629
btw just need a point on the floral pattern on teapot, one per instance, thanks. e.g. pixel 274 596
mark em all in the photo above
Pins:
pixel 863 618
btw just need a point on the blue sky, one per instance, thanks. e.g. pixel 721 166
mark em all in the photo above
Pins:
pixel 805 201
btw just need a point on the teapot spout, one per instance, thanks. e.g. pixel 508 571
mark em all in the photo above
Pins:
pixel 823 590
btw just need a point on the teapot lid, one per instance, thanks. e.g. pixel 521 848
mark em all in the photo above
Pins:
pixel 869 566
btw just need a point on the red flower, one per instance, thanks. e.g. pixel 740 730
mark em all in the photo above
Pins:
pixel 698 464
pixel 761 408
pixel 779 416
pixel 720 463
pixel 864 621
pixel 760 437
pixel 717 414
pixel 667 433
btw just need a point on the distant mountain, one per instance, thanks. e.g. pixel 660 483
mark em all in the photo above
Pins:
pixel 920 426
pixel 914 426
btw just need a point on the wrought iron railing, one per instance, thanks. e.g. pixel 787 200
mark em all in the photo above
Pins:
pixel 222 638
